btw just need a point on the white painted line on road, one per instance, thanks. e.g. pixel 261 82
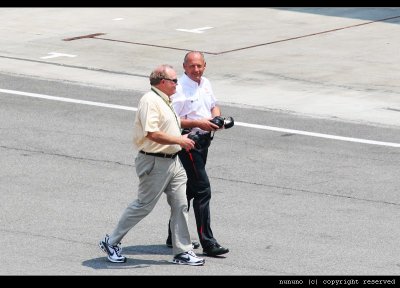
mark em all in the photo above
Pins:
pixel 63 99
pixel 195 30
pixel 56 54
pixel 118 19
pixel 320 135
pixel 256 126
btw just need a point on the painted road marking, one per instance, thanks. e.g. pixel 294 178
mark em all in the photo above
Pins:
pixel 63 99
pixel 320 135
pixel 195 30
pixel 256 126
pixel 56 54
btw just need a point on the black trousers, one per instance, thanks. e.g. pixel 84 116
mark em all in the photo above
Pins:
pixel 198 188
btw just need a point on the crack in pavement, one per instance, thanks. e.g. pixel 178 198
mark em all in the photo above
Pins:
pixel 66 156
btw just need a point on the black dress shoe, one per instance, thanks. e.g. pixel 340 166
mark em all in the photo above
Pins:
pixel 215 250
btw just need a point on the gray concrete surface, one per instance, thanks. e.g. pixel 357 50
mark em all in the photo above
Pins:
pixel 326 62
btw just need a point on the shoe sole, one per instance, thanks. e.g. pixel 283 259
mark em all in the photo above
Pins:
pixel 116 261
pixel 101 245
pixel 187 263
pixel 215 254
pixel 103 248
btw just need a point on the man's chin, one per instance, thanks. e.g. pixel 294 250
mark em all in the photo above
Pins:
pixel 196 78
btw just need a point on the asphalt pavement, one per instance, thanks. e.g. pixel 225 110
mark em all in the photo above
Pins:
pixel 284 203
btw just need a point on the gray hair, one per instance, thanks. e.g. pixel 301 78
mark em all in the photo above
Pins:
pixel 159 73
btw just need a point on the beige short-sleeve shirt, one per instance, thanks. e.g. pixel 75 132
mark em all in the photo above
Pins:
pixel 155 113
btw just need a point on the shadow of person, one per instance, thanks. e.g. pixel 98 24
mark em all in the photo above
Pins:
pixel 103 263
pixel 147 250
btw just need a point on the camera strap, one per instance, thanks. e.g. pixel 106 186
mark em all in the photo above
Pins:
pixel 170 107
pixel 212 135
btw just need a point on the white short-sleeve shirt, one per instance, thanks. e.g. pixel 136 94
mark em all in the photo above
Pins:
pixel 193 100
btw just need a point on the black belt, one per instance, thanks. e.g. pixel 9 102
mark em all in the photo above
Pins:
pixel 162 155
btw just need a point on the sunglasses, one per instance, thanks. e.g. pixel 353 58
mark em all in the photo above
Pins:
pixel 173 80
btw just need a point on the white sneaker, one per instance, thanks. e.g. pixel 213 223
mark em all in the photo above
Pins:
pixel 188 258
pixel 113 252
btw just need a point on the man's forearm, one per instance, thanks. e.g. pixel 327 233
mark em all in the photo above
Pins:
pixel 216 111
pixel 189 123
pixel 163 138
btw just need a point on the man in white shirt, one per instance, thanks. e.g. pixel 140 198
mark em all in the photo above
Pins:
pixel 195 103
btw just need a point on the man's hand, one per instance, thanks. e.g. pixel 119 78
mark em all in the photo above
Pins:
pixel 186 143
pixel 206 125
pixel 165 139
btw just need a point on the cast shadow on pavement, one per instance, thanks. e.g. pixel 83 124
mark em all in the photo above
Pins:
pixel 131 262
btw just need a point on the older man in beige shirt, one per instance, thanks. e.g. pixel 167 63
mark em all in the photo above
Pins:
pixel 157 136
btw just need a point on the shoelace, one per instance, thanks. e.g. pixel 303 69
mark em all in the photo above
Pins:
pixel 118 249
pixel 191 253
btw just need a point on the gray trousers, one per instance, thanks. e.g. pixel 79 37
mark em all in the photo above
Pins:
pixel 158 175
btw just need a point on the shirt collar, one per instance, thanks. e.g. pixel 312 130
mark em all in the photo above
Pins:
pixel 162 94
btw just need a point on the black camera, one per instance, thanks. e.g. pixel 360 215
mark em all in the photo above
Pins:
pixel 203 140
pixel 200 140
pixel 220 121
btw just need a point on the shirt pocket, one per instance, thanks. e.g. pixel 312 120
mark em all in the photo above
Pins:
pixel 193 103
